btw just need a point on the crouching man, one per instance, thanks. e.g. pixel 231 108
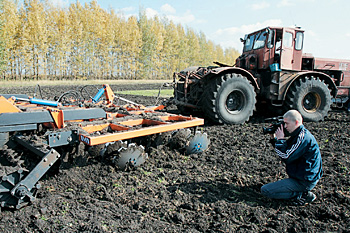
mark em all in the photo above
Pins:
pixel 302 157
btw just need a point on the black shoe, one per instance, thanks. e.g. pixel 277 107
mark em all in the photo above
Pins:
pixel 304 199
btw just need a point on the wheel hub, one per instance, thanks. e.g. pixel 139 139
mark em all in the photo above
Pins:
pixel 311 102
pixel 235 101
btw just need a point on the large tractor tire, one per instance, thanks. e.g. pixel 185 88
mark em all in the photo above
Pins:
pixel 229 99
pixel 311 97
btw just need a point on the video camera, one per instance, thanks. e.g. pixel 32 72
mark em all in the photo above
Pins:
pixel 276 123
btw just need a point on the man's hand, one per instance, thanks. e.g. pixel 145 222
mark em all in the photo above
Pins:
pixel 280 133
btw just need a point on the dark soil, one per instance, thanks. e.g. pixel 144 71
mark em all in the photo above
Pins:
pixel 215 191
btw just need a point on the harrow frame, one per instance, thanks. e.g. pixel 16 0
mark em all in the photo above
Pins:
pixel 70 124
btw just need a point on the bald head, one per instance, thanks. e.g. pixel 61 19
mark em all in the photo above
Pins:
pixel 295 116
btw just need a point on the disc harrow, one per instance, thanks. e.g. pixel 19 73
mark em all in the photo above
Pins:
pixel 105 128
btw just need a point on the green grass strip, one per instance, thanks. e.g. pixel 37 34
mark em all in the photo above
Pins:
pixel 163 93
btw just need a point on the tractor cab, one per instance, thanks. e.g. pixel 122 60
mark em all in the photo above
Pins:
pixel 275 48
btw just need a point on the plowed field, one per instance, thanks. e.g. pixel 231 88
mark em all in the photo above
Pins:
pixel 215 191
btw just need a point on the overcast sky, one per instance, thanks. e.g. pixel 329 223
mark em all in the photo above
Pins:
pixel 326 22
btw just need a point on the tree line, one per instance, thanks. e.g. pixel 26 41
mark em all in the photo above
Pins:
pixel 43 41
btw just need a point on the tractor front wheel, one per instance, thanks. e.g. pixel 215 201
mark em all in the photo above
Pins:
pixel 230 99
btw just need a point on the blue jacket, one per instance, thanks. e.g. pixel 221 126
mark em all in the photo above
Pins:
pixel 301 154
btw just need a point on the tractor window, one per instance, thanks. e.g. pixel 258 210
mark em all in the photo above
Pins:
pixel 270 40
pixel 299 40
pixel 288 39
pixel 260 41
pixel 248 43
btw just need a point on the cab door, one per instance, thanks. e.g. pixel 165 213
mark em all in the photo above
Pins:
pixel 298 50
pixel 287 48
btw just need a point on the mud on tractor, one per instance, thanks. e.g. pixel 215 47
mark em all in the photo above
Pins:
pixel 36 133
pixel 272 70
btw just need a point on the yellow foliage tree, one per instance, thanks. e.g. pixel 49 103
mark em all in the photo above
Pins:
pixel 40 40
pixel 2 48
pixel 171 47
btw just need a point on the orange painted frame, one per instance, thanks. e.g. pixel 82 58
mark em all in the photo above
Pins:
pixel 7 105
pixel 153 127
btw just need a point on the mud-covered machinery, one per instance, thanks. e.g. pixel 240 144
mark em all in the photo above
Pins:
pixel 52 130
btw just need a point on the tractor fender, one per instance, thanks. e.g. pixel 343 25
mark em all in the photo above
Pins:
pixel 236 70
pixel 324 77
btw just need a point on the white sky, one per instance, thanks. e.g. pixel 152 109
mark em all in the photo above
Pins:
pixel 326 22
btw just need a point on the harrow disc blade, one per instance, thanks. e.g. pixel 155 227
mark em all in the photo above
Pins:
pixel 132 156
pixel 7 199
pixel 198 143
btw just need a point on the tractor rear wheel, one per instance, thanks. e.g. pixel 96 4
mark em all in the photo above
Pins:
pixel 229 99
pixel 311 97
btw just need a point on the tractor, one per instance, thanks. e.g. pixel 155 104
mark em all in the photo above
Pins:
pixel 272 72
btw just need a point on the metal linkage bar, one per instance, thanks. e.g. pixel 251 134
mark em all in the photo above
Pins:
pixel 24 188
pixel 18 189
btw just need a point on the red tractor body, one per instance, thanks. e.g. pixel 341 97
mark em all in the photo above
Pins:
pixel 276 72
